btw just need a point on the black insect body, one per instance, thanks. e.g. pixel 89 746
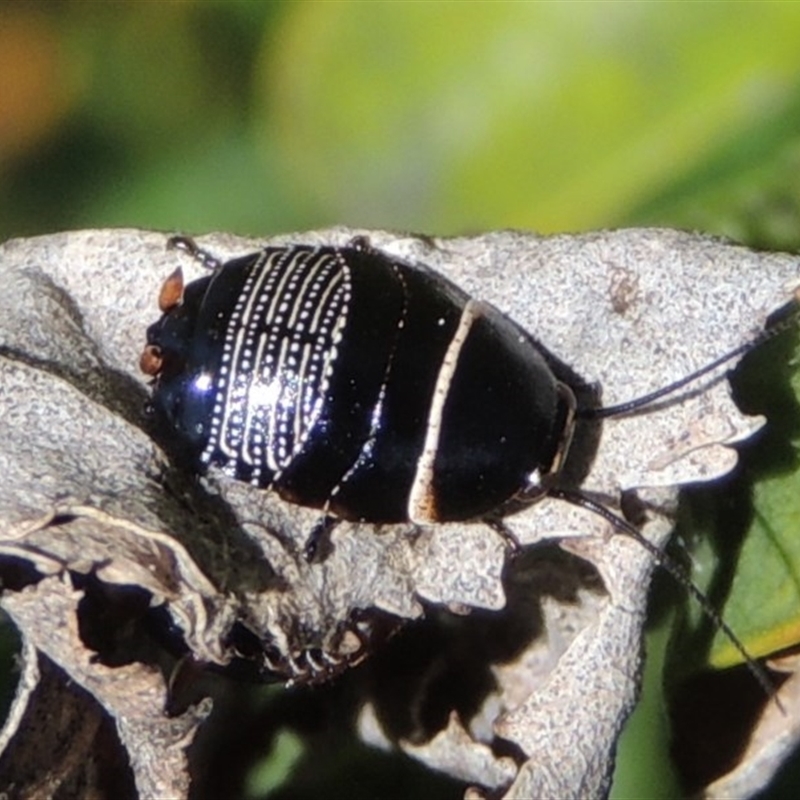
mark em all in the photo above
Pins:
pixel 350 381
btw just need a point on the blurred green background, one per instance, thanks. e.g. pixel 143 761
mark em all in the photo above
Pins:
pixel 434 117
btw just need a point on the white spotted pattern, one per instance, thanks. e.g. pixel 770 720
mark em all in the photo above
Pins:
pixel 279 353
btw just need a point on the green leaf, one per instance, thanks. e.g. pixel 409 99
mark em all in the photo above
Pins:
pixel 764 600
pixel 744 532
pixel 274 770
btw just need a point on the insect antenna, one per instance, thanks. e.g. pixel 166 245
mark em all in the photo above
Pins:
pixel 622 526
pixel 603 412
pixel 678 571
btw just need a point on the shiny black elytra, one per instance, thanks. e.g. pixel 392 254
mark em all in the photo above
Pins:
pixel 348 380
pixel 351 381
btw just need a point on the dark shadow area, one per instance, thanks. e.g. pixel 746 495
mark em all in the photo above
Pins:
pixel 713 714
pixel 432 667
pixel 65 729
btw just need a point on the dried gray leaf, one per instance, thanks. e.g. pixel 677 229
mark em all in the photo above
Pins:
pixel 84 486
pixel 47 615
pixel 454 751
